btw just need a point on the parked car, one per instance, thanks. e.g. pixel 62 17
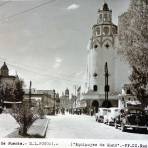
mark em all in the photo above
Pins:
pixel 111 115
pixel 100 115
pixel 132 117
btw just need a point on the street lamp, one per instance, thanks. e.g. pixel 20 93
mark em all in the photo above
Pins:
pixel 30 103
pixel 54 102
pixel 106 89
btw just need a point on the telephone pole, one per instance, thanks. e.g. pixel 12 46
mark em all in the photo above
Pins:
pixel 30 95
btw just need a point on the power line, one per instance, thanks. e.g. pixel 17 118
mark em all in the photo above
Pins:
pixel 44 69
pixel 27 10
pixel 41 74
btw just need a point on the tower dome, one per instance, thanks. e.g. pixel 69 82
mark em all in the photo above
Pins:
pixel 4 70
pixel 105 7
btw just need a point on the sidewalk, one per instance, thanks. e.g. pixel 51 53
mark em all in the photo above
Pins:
pixel 14 135
pixel 37 130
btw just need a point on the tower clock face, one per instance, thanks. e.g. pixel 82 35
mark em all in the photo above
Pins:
pixel 106 30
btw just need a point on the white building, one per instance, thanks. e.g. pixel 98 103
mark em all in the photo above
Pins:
pixel 103 48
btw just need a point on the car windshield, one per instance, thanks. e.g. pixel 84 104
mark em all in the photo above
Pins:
pixel 103 111
pixel 114 112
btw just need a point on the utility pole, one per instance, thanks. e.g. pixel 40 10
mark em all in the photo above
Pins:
pixel 54 110
pixel 106 89
pixel 75 96
pixel 30 95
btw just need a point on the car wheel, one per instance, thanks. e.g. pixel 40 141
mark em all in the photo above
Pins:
pixel 96 119
pixel 134 129
pixel 123 128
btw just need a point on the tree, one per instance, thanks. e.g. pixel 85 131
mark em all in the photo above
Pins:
pixel 133 45
pixel 22 112
pixel 24 117
pixel 139 82
pixel 19 92
pixel 6 94
pixel 11 92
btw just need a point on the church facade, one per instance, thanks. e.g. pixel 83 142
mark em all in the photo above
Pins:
pixel 103 52
pixel 7 87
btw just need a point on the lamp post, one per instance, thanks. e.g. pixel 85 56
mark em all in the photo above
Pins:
pixel 106 89
pixel 54 111
pixel 30 95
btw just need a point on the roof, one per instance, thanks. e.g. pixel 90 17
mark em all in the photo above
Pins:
pixel 105 7
pixel 4 67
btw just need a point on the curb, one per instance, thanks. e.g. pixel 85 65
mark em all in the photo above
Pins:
pixel 38 128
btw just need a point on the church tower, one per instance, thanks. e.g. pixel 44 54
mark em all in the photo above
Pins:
pixel 67 93
pixel 102 50
pixel 4 70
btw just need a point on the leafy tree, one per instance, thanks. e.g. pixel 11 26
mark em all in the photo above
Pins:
pixel 139 82
pixel 133 42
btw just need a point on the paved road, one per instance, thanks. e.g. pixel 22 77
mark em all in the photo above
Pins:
pixel 85 127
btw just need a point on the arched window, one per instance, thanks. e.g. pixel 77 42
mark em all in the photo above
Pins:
pixel 105 17
pixel 95 87
pixel 106 30
pixel 95 46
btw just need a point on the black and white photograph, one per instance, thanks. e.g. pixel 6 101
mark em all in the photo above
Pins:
pixel 74 69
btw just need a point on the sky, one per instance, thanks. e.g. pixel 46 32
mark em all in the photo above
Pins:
pixel 45 41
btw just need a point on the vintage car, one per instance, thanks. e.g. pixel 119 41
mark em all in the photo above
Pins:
pixel 111 115
pixel 100 115
pixel 132 117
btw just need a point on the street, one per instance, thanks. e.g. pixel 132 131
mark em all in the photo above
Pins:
pixel 85 127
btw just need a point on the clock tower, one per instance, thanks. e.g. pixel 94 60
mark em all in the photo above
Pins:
pixel 102 50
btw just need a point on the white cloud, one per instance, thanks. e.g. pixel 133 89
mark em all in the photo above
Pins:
pixel 56 65
pixel 73 7
pixel 79 73
pixel 12 72
pixel 58 60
